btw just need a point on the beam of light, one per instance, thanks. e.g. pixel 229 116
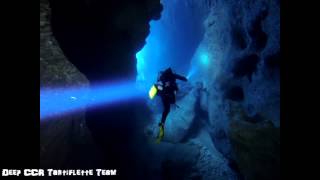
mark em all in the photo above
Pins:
pixel 191 72
pixel 204 59
pixel 62 101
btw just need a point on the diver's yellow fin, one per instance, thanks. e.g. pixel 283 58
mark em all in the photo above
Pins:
pixel 161 134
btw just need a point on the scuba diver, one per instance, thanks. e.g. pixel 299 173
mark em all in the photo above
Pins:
pixel 167 87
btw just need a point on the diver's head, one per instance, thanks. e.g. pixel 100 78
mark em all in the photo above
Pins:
pixel 169 71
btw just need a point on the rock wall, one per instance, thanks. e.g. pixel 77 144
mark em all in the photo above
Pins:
pixel 55 69
pixel 235 73
pixel 100 37
pixel 242 45
pixel 65 136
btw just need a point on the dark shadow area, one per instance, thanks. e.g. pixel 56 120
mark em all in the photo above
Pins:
pixel 115 130
pixel 235 93
pixel 245 66
pixel 273 61
pixel 258 36
pixel 239 38
pixel 101 37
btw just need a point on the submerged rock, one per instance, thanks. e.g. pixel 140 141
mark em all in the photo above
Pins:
pixel 257 149
pixel 256 146
pixel 194 160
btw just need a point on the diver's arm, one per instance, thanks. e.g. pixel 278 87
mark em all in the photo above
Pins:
pixel 182 78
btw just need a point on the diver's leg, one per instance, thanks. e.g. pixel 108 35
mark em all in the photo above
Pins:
pixel 166 111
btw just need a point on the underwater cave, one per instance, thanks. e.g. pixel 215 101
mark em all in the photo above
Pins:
pixel 113 51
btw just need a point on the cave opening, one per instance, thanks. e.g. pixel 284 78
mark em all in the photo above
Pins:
pixel 172 42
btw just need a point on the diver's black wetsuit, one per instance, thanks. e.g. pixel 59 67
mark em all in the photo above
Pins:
pixel 168 82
